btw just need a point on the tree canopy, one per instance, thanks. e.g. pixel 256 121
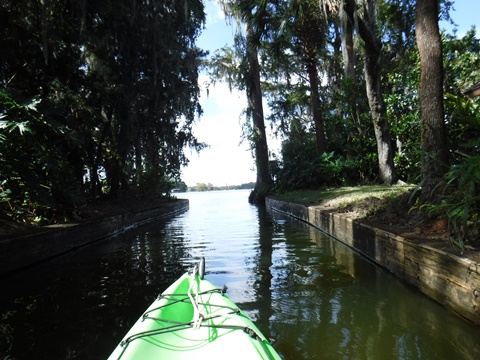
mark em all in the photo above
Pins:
pixel 346 75
pixel 342 81
pixel 97 98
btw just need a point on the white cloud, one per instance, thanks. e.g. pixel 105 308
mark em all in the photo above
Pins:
pixel 220 98
pixel 226 161
pixel 214 12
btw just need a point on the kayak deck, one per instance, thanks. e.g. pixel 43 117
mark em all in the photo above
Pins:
pixel 194 318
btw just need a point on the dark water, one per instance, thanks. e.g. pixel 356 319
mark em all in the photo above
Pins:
pixel 313 297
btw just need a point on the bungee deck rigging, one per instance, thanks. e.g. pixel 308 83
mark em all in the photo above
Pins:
pixel 193 317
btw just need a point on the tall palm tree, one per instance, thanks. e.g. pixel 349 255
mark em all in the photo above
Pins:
pixel 294 32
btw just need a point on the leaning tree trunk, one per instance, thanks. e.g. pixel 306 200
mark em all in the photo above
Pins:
pixel 254 94
pixel 380 123
pixel 434 161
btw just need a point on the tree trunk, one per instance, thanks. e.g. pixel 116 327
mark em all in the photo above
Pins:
pixel 311 64
pixel 372 70
pixel 434 161
pixel 348 52
pixel 254 94
pixel 348 56
pixel 380 123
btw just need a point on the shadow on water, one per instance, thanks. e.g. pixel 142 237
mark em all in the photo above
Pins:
pixel 78 306
pixel 311 295
pixel 260 308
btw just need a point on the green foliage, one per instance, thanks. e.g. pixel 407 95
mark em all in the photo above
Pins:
pixel 95 100
pixel 347 120
pixel 301 169
pixel 227 65
pixel 461 59
pixel 99 99
pixel 19 122
pixel 36 176
pixel 463 210
pixel 180 186
pixel 203 187
pixel 396 21
pixel 460 201
pixel 403 114
pixel 464 125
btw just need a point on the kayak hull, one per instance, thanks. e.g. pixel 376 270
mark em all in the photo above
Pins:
pixel 193 318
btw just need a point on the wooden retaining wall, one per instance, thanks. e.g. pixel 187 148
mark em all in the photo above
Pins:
pixel 449 279
pixel 27 250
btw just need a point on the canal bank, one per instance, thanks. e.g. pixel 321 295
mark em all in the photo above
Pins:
pixel 445 275
pixel 23 251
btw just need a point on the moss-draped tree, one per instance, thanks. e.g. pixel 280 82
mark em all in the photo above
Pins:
pixel 104 93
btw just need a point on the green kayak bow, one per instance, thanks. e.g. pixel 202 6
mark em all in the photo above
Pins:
pixel 193 319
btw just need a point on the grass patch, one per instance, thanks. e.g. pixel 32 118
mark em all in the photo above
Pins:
pixel 362 199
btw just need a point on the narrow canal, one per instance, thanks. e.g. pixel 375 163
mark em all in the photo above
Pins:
pixel 312 296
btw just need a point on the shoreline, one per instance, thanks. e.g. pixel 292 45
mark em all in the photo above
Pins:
pixel 23 251
pixel 444 275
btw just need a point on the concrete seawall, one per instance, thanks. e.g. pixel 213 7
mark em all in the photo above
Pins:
pixel 23 251
pixel 449 279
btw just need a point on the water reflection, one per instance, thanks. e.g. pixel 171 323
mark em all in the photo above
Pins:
pixel 79 305
pixel 347 308
pixel 312 296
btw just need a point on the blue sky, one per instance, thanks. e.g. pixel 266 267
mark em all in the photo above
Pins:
pixel 226 161
pixel 465 14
